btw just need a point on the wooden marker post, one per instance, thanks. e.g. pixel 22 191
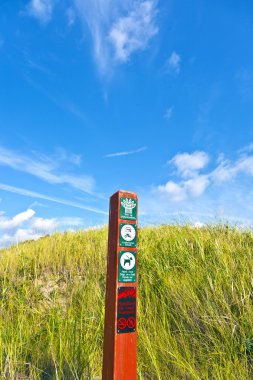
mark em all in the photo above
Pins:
pixel 120 336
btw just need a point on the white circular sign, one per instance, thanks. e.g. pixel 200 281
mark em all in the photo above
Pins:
pixel 128 232
pixel 127 261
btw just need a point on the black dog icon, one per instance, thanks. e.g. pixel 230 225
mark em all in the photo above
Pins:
pixel 127 260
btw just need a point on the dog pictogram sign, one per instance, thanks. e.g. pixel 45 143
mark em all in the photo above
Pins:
pixel 127 266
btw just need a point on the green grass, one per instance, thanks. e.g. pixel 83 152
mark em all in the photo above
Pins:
pixel 195 305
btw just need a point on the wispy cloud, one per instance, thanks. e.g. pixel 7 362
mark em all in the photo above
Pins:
pixel 168 113
pixel 228 170
pixel 118 154
pixel 42 10
pixel 118 29
pixel 173 63
pixel 47 168
pixel 133 32
pixel 36 195
pixel 71 16
pixel 246 149
pixel 35 204
pixel 62 155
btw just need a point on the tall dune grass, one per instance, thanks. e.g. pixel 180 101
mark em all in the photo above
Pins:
pixel 195 305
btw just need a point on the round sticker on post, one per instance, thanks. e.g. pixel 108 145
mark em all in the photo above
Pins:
pixel 127 235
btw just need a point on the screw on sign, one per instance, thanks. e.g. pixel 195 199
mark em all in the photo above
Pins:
pixel 122 322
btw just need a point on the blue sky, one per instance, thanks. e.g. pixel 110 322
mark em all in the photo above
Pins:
pixel 149 96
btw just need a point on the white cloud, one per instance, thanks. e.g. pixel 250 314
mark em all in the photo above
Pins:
pixel 133 32
pixel 176 192
pixel 41 224
pixel 41 10
pixel 198 225
pixel 227 170
pixel 217 194
pixel 16 221
pixel 187 168
pixel 26 226
pixel 197 185
pixel 18 228
pixel 224 172
pixel 33 228
pixel 173 63
pixel 46 168
pixel 245 165
pixel 193 184
pixel 19 236
pixel 188 164
pixel 125 153
pixel 118 29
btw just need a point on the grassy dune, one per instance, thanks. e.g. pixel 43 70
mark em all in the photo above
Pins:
pixel 195 305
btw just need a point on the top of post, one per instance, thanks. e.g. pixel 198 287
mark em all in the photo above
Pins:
pixel 125 193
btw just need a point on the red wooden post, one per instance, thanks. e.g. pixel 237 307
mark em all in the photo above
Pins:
pixel 120 335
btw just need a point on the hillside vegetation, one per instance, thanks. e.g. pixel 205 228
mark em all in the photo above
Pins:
pixel 195 305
